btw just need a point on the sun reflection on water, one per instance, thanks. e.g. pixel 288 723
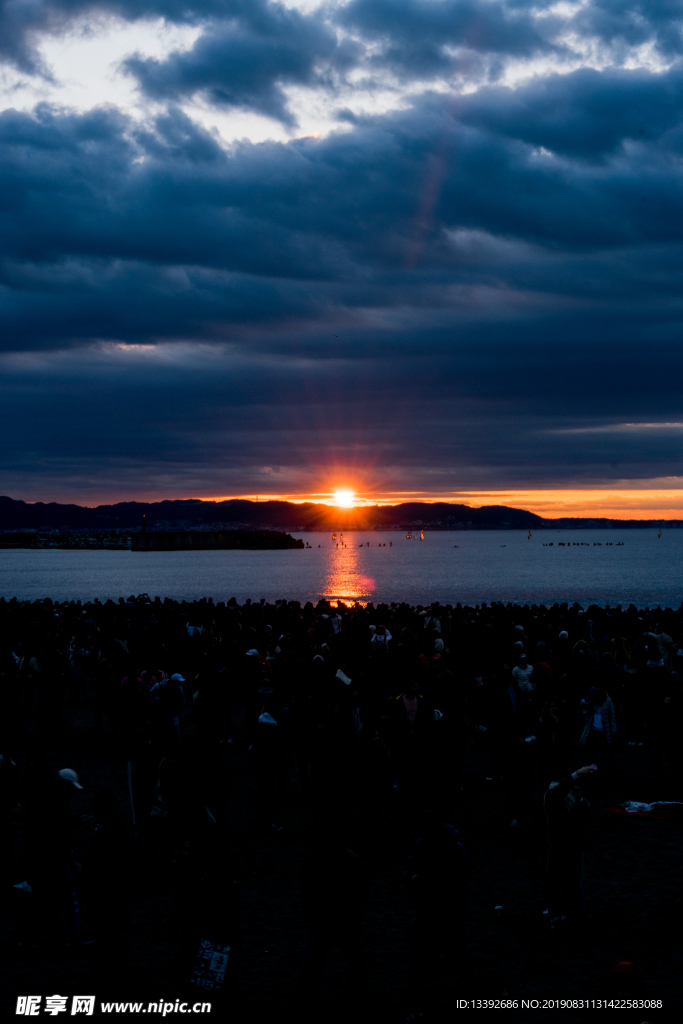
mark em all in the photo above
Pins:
pixel 345 577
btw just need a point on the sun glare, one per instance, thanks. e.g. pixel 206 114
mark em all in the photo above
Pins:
pixel 345 499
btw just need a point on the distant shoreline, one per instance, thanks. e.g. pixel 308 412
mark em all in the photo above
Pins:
pixel 192 515
pixel 98 540
pixel 245 540
pixel 180 540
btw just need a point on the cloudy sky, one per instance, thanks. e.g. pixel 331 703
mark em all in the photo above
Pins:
pixel 419 248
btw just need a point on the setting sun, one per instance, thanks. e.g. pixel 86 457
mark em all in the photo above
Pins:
pixel 345 499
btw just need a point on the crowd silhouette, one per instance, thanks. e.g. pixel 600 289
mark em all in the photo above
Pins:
pixel 360 726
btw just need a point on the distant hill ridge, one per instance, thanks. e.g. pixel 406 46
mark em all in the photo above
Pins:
pixel 239 513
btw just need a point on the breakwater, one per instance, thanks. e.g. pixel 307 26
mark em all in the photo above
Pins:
pixel 210 540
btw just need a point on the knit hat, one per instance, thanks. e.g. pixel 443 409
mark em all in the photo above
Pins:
pixel 69 775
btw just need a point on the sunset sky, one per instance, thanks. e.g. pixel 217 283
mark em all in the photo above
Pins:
pixel 417 249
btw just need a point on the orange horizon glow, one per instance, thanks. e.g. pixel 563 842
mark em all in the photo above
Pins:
pixel 634 502
pixel 593 503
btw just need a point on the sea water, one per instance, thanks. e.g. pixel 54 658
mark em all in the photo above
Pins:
pixel 588 566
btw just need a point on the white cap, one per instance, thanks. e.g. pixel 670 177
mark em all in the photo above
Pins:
pixel 252 651
pixel 70 776
pixel 177 678
pixel 564 635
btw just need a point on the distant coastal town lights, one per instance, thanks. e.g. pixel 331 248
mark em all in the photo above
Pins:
pixel 344 499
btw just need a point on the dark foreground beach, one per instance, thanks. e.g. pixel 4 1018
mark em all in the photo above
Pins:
pixel 299 785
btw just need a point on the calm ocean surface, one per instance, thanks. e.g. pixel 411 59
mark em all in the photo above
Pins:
pixel 484 566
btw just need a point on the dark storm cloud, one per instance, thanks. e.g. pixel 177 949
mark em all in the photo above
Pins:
pixel 586 114
pixel 246 61
pixel 200 240
pixel 443 293
pixel 250 51
pixel 418 37
pixel 624 24
pixel 415 35
pixel 216 421
pixel 246 30
pixel 23 21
